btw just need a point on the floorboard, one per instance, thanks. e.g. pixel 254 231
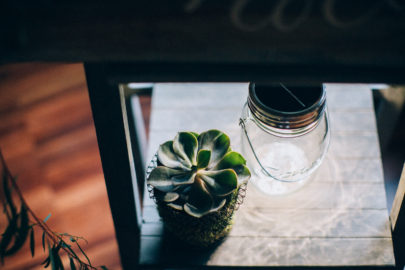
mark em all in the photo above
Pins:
pixel 48 138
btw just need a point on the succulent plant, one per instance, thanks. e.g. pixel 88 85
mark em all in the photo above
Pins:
pixel 197 173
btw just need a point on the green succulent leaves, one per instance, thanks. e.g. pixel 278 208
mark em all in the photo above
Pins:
pixel 197 172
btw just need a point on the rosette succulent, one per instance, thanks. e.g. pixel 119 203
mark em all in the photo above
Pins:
pixel 198 173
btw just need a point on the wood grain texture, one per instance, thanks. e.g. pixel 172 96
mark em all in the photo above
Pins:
pixel 268 251
pixel 339 218
pixel 48 139
pixel 277 222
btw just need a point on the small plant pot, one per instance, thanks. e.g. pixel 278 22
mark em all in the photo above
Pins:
pixel 197 182
pixel 205 231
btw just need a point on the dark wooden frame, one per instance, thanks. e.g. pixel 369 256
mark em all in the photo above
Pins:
pixel 118 166
pixel 194 40
pixel 124 182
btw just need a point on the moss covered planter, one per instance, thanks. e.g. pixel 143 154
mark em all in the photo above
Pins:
pixel 199 232
pixel 196 185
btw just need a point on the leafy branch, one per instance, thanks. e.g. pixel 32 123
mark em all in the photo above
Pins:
pixel 20 227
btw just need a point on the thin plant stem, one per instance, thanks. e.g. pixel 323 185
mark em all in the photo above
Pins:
pixel 51 235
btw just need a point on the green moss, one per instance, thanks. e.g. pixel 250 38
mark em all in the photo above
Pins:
pixel 199 232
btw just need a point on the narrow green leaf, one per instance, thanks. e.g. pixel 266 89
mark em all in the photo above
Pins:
pixel 72 264
pixel 83 253
pixel 22 232
pixel 70 249
pixel 43 240
pixel 47 217
pixel 58 261
pixel 7 194
pixel 51 258
pixel 46 262
pixel 203 158
pixel 8 236
pixel 8 233
pixel 3 200
pixel 103 267
pixel 57 248
pixel 5 210
pixel 32 242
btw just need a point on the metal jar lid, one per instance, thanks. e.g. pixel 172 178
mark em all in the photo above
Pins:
pixel 286 108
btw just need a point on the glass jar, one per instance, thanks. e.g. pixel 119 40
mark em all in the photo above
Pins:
pixel 285 135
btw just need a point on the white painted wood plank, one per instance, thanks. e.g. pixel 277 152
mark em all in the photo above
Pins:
pixel 220 118
pixel 311 223
pixel 200 119
pixel 199 116
pixel 267 251
pixel 354 145
pixel 298 223
pixel 199 95
pixel 214 95
pixel 346 121
pixel 349 97
pixel 308 251
pixel 228 99
pixel 336 195
pixel 354 170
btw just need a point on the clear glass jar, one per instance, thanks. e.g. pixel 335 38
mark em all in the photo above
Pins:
pixel 285 135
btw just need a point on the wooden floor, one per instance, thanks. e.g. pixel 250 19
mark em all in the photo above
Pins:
pixel 48 138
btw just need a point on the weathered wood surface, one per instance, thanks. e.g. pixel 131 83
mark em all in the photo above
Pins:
pixel 279 251
pixel 339 218
pixel 267 222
